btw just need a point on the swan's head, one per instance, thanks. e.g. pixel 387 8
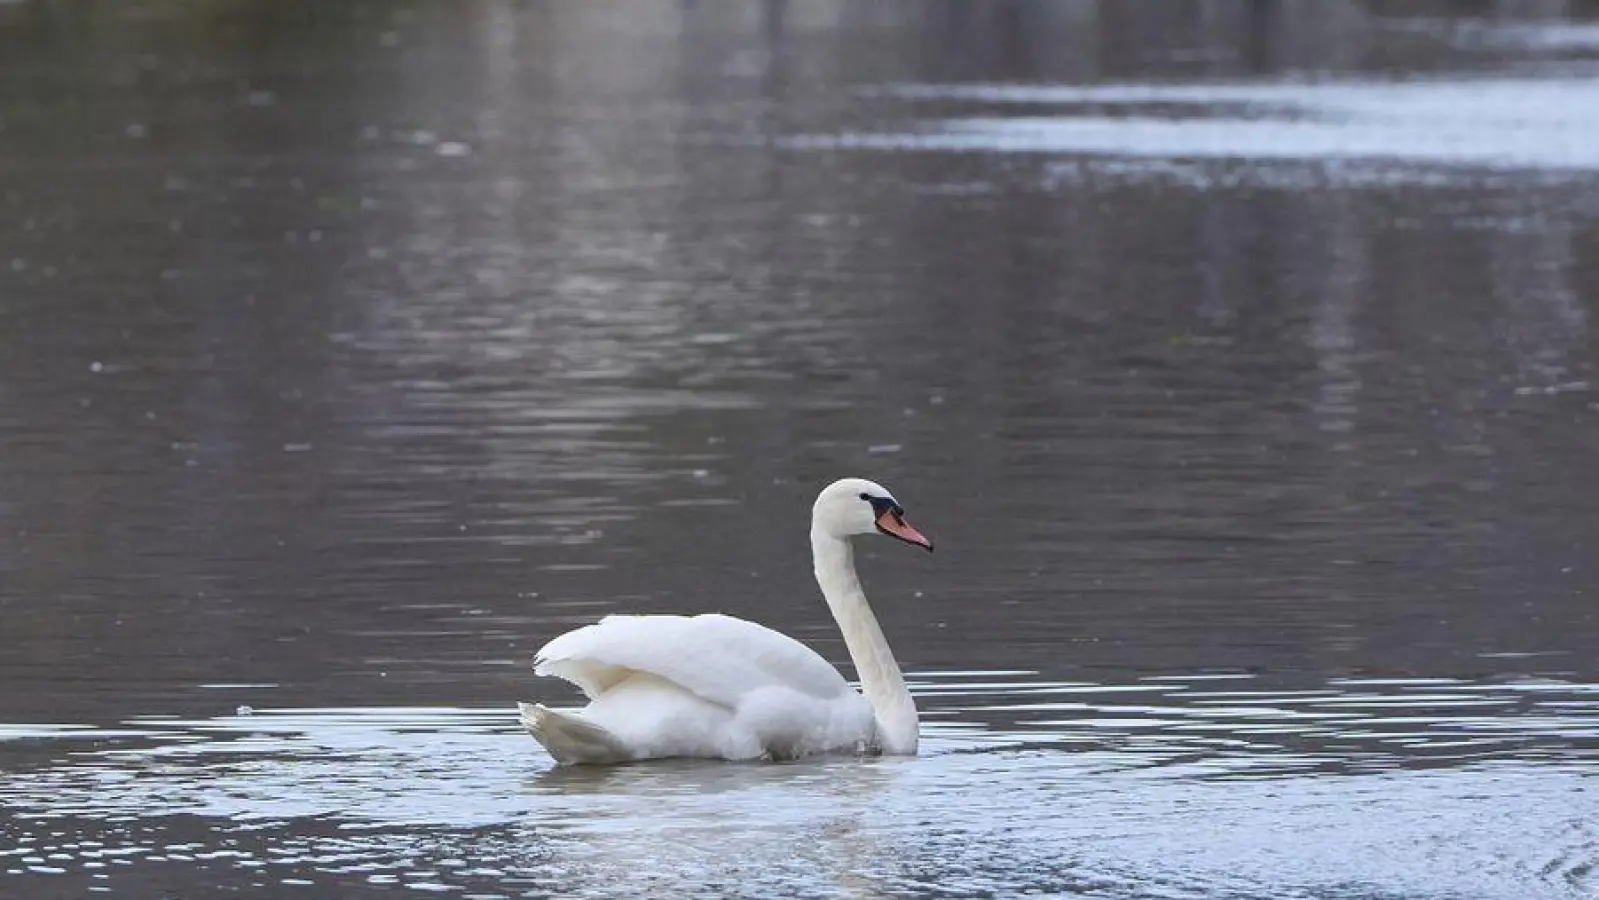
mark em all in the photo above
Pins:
pixel 853 506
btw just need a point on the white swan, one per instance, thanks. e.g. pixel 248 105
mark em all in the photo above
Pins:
pixel 717 687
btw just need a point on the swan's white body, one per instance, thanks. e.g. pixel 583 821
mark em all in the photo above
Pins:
pixel 714 686
pixel 706 686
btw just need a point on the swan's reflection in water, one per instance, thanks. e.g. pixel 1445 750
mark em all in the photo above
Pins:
pixel 798 827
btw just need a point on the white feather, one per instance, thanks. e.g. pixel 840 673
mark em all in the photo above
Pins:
pixel 705 686
pixel 717 657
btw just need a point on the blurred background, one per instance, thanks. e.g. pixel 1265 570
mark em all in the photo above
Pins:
pixel 1238 354
pixel 358 348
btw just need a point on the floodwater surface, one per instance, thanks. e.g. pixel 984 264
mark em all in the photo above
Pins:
pixel 1238 356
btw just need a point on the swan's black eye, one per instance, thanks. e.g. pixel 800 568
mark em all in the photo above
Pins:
pixel 881 505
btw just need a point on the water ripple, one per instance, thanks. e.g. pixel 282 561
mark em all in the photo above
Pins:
pixel 1318 789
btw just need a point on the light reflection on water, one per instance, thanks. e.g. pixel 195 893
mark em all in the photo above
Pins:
pixel 1400 130
pixel 1202 786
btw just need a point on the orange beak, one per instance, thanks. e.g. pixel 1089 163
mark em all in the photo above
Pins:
pixel 893 524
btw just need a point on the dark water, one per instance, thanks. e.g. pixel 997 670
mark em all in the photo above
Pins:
pixel 1238 356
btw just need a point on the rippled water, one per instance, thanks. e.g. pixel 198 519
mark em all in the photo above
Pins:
pixel 1237 355
pixel 1172 786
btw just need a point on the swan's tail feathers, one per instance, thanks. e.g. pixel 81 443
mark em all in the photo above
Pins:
pixel 570 738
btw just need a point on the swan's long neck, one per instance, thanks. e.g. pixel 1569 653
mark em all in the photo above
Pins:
pixel 881 680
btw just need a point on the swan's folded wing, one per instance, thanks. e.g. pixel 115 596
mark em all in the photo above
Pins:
pixel 716 657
